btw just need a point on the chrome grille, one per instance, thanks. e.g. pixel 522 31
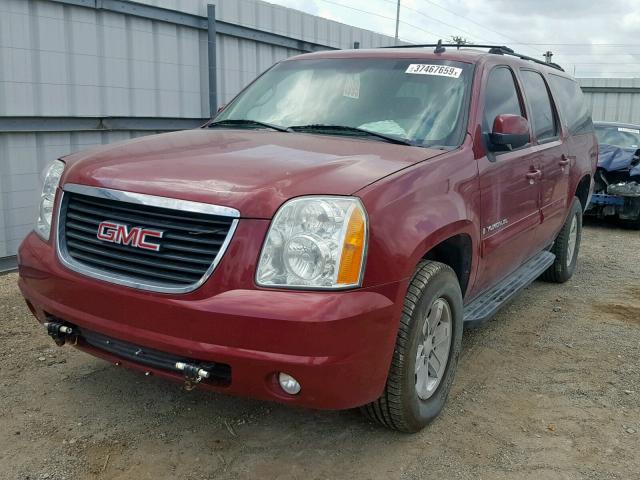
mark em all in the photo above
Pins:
pixel 194 237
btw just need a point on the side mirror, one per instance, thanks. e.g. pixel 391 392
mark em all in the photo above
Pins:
pixel 509 132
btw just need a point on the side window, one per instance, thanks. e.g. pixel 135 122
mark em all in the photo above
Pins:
pixel 501 97
pixel 572 104
pixel 542 117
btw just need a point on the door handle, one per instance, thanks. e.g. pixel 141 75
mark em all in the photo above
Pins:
pixel 565 160
pixel 534 175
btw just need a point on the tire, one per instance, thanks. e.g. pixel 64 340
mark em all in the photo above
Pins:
pixel 566 247
pixel 635 224
pixel 630 224
pixel 433 289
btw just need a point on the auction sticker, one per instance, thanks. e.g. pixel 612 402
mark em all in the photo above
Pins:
pixel 352 86
pixel 628 130
pixel 437 70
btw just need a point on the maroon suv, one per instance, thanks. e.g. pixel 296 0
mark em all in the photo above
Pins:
pixel 324 240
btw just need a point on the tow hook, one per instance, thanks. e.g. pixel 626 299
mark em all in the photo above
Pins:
pixel 59 332
pixel 193 374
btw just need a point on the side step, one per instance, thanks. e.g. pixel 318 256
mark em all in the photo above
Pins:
pixel 480 310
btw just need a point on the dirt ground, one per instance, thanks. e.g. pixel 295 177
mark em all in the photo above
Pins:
pixel 549 389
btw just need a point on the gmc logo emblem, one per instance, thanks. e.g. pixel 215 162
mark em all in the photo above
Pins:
pixel 132 236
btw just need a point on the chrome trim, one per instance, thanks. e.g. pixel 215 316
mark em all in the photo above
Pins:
pixel 152 200
pixel 149 200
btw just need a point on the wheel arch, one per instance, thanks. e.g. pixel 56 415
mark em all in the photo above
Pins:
pixel 583 189
pixel 454 246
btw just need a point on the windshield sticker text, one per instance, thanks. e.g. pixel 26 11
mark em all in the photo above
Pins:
pixel 629 130
pixel 437 70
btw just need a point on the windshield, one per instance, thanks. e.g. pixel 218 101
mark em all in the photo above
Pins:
pixel 421 101
pixel 619 136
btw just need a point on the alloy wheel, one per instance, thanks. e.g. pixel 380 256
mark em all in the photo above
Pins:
pixel 433 350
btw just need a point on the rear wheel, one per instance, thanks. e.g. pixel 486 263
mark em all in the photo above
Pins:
pixel 566 247
pixel 426 353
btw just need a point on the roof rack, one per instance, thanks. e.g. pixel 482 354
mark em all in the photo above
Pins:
pixel 494 49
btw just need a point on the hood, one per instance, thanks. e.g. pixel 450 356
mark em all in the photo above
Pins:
pixel 612 159
pixel 253 171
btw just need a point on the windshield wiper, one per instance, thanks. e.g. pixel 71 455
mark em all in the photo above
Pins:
pixel 246 122
pixel 343 128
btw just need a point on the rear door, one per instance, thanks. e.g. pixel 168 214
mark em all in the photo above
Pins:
pixel 550 153
pixel 509 188
pixel 580 143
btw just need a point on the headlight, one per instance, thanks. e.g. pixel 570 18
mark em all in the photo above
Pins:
pixel 315 242
pixel 51 181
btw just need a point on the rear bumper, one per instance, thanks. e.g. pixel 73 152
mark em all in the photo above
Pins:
pixel 338 345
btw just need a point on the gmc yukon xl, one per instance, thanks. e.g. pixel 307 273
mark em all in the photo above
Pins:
pixel 324 240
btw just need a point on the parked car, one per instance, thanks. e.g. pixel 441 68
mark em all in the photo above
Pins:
pixel 617 179
pixel 324 240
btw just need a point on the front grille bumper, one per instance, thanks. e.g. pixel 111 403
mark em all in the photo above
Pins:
pixel 220 373
pixel 314 336
pixel 190 240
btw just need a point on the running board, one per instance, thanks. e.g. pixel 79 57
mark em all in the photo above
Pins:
pixel 480 310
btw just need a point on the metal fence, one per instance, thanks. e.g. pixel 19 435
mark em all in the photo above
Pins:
pixel 613 99
pixel 79 73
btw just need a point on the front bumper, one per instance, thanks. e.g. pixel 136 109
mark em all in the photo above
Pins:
pixel 338 345
pixel 623 207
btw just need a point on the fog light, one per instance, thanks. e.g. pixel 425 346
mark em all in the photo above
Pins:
pixel 288 383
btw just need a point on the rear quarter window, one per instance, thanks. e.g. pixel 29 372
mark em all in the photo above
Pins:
pixel 573 107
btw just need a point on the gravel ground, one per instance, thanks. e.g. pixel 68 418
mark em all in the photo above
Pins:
pixel 549 389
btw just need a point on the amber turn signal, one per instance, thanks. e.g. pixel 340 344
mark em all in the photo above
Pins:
pixel 353 249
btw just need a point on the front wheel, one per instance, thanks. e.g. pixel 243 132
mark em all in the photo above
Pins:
pixel 426 353
pixel 635 224
pixel 566 247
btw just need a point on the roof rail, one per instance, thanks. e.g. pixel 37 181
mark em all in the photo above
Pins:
pixel 494 49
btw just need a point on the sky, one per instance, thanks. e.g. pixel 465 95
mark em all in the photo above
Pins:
pixel 588 38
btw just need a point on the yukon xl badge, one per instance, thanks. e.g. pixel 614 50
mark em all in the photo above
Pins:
pixel 131 236
pixel 495 226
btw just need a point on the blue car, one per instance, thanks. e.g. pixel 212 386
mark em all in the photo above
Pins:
pixel 617 179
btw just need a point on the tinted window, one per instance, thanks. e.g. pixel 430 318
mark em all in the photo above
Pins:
pixel 535 89
pixel 572 105
pixel 501 97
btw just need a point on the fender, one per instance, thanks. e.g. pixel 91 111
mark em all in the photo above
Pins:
pixel 417 208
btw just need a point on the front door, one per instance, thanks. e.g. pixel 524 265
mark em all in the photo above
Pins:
pixel 509 186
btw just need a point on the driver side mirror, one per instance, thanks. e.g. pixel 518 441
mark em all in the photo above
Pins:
pixel 509 132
